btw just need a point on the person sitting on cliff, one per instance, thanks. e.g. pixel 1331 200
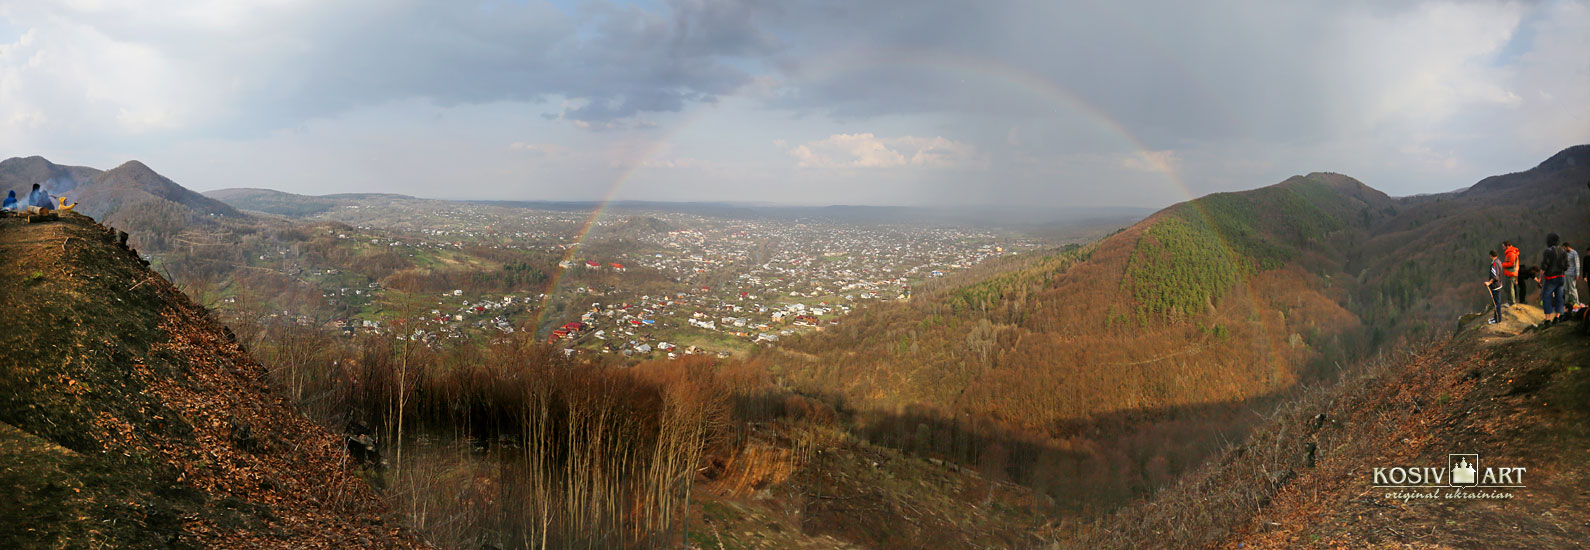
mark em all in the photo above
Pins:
pixel 65 207
pixel 11 202
pixel 39 198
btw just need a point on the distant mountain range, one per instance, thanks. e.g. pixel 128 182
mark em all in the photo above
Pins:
pixel 294 205
pixel 977 215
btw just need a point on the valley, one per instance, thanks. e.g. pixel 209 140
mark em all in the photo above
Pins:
pixel 795 275
pixel 991 385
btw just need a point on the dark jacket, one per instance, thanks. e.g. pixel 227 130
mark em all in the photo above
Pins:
pixel 1526 275
pixel 1553 262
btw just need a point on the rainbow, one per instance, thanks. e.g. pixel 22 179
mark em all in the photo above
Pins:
pixel 990 69
pixel 630 167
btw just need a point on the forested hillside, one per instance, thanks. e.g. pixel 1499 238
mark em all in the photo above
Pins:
pixel 1117 361
pixel 1218 299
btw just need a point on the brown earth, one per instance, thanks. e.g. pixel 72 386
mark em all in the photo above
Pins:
pixel 129 418
pixel 1513 393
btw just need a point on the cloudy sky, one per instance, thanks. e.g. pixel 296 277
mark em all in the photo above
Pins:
pixel 919 102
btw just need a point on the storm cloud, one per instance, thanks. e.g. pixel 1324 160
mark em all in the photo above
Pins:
pixel 817 101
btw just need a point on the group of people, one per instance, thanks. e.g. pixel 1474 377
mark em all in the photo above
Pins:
pixel 36 198
pixel 1558 276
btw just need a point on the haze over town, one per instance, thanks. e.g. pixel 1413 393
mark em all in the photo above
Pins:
pixel 937 102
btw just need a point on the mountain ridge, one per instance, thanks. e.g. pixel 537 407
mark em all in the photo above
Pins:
pixel 20 173
pixel 133 183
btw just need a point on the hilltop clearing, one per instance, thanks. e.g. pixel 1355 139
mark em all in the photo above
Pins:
pixel 130 419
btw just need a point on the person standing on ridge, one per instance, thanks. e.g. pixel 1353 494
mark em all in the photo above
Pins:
pixel 1494 284
pixel 1553 262
pixel 1570 277
pixel 1510 273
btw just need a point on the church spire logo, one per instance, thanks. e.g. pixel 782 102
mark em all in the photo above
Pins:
pixel 1463 471
pixel 1464 477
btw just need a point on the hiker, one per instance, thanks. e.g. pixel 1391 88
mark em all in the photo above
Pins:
pixel 1494 284
pixel 1553 262
pixel 38 197
pixel 1510 273
pixel 1570 278
pixel 1525 275
pixel 11 202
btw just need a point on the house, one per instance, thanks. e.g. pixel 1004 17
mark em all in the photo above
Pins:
pixel 617 267
pixel 591 264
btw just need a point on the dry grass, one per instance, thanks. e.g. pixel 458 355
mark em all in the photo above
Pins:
pixel 1516 397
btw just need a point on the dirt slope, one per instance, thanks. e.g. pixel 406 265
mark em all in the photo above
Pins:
pixel 1513 394
pixel 130 419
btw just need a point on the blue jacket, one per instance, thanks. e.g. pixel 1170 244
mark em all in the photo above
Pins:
pixel 11 201
pixel 40 198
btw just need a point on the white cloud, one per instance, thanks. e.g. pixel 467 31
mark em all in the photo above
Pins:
pixel 1427 64
pixel 1064 101
pixel 1556 72
pixel 1167 162
pixel 866 150
pixel 683 163
pixel 540 149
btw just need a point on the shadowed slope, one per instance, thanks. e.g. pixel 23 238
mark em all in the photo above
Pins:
pixel 1304 479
